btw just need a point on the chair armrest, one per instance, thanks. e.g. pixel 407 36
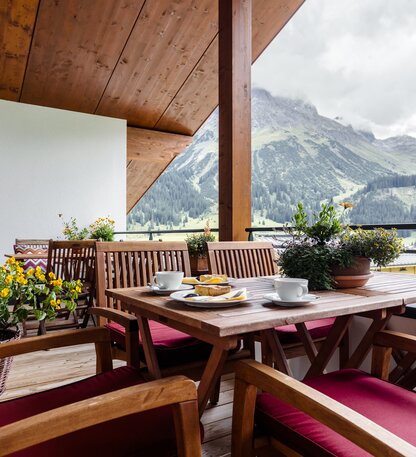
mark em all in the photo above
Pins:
pixel 55 340
pixel 131 326
pixel 396 340
pixel 251 375
pixel 128 321
pixel 177 391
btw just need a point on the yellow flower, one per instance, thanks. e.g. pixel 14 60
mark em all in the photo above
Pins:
pixel 41 277
pixel 30 272
pixel 5 292
pixel 11 261
pixel 9 279
pixel 53 303
pixel 20 279
pixel 52 275
pixel 57 282
pixel 19 269
pixel 78 289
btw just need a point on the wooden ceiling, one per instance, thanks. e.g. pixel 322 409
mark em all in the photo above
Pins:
pixel 151 62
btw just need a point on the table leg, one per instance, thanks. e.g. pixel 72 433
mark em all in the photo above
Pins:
pixel 366 343
pixel 210 376
pixel 279 356
pixel 329 346
pixel 148 348
pixel 307 341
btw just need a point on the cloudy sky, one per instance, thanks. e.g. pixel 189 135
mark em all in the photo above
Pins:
pixel 355 59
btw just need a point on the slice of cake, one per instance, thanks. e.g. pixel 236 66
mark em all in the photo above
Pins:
pixel 212 291
pixel 213 279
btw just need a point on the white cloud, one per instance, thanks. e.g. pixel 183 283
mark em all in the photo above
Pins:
pixel 351 58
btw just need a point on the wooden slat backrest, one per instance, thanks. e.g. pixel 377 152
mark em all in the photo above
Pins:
pixel 71 260
pixel 32 243
pixel 134 263
pixel 242 259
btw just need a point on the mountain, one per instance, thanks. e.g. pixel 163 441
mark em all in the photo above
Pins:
pixel 298 155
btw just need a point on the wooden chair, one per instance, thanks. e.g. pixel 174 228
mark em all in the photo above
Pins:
pixel 246 259
pixel 71 260
pixel 32 243
pixel 112 413
pixel 345 413
pixel 133 264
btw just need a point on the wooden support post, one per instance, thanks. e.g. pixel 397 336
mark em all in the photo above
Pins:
pixel 234 119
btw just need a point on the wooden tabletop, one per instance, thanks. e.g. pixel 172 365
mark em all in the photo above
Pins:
pixel 384 290
pixel 27 256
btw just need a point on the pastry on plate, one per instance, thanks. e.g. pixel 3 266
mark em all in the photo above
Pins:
pixel 190 280
pixel 213 279
pixel 212 291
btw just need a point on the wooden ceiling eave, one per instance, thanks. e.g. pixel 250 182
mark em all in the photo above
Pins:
pixel 17 20
pixel 148 154
pixel 151 62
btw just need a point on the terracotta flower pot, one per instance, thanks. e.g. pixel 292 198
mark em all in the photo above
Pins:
pixel 199 265
pixel 6 363
pixel 356 275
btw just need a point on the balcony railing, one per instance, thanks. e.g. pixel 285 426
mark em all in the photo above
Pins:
pixel 151 234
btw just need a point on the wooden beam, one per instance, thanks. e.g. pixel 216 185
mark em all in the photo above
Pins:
pixel 151 145
pixel 148 154
pixel 234 119
pixel 17 20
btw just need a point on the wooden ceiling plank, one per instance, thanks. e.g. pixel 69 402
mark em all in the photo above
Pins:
pixel 168 40
pixel 17 20
pixel 198 96
pixel 76 46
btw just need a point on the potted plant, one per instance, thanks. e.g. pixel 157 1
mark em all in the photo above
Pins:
pixel 330 255
pixel 103 229
pixel 30 293
pixel 71 231
pixel 197 247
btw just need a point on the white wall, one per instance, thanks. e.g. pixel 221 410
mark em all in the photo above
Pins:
pixel 55 161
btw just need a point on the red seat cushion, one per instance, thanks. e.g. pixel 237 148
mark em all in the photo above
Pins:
pixel 146 434
pixel 172 346
pixel 388 405
pixel 317 329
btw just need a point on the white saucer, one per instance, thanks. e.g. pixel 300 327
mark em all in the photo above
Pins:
pixel 305 300
pixel 159 291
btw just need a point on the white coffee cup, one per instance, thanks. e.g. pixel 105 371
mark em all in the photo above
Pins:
pixel 291 288
pixel 168 279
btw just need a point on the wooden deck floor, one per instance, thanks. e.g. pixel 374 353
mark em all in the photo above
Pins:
pixel 46 369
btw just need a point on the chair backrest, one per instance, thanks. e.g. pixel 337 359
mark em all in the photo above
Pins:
pixel 242 259
pixel 71 260
pixel 32 243
pixel 133 264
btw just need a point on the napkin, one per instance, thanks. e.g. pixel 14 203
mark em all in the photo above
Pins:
pixel 234 295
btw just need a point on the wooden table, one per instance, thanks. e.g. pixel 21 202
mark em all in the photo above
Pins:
pixel 384 295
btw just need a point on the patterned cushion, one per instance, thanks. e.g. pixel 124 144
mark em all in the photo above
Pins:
pixel 28 249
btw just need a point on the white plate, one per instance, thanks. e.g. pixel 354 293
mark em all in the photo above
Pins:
pixel 305 300
pixel 159 291
pixel 226 283
pixel 179 296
